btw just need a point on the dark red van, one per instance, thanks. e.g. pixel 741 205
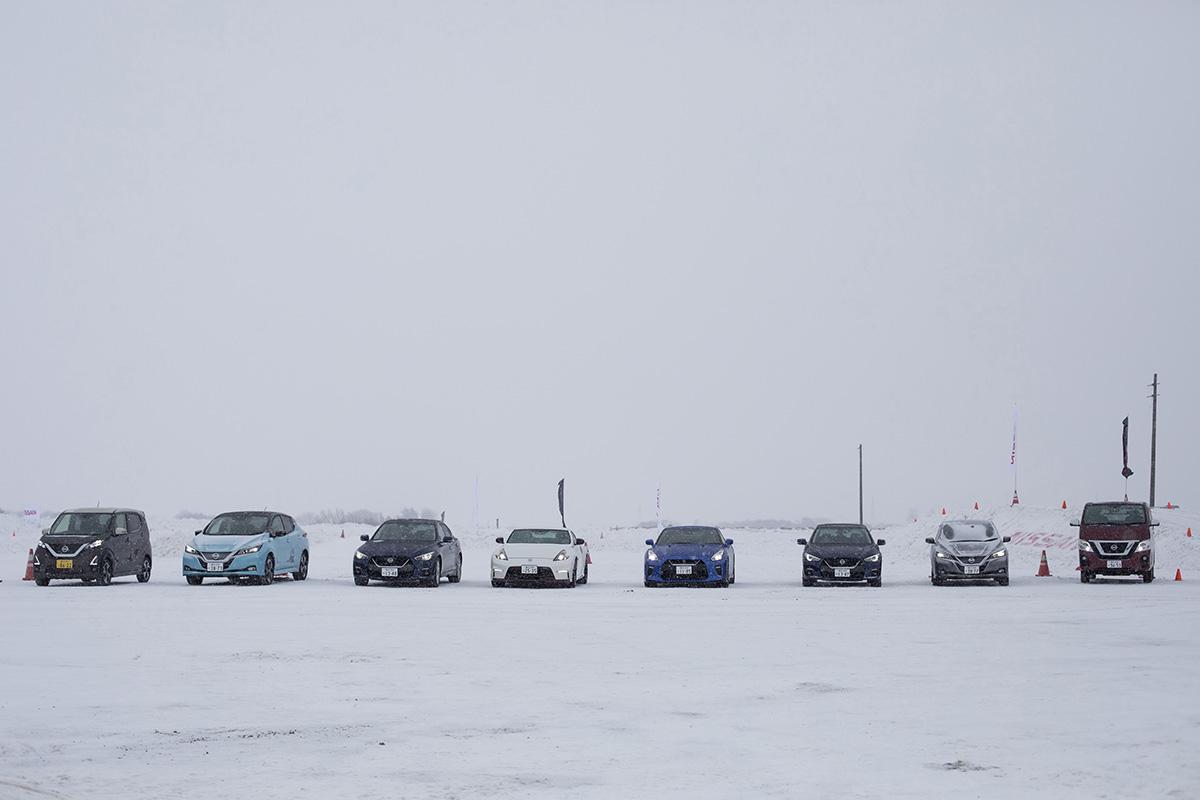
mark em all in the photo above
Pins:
pixel 1114 539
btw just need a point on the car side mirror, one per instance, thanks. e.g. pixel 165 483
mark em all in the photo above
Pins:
pixel 650 543
pixel 364 538
pixel 928 540
pixel 277 534
pixel 802 541
pixel 499 540
pixel 199 532
pixel 729 542
pixel 1153 524
pixel 45 531
pixel 1005 539
pixel 1074 523
pixel 120 532
pixel 580 541
pixel 880 542
pixel 447 540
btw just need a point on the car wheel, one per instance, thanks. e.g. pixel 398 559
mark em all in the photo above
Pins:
pixel 1002 581
pixel 194 580
pixel 875 583
pixel 41 581
pixel 936 579
pixel 807 582
pixel 584 579
pixel 302 572
pixel 144 574
pixel 105 576
pixel 1085 576
pixel 268 576
pixel 457 576
pixel 436 580
pixel 1147 577
pixel 497 584
pixel 650 584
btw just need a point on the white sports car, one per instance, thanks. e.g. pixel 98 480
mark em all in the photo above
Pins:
pixel 540 555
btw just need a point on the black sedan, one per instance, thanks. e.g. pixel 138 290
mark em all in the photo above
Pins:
pixel 842 553
pixel 410 551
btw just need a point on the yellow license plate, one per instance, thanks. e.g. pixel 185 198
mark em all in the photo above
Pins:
pixel 64 563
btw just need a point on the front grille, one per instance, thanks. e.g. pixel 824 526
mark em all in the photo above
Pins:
pixel 699 570
pixel 841 562
pixel 215 556
pixel 1113 549
pixel 543 574
pixel 389 561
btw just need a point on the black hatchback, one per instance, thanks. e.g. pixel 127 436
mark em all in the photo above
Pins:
pixel 842 553
pixel 94 545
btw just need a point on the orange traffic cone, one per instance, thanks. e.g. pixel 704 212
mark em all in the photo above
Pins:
pixel 1178 574
pixel 1189 533
pixel 1064 505
pixel 976 505
pixel 343 533
pixel 1043 568
pixel 29 567
pixel 589 558
pixel 943 511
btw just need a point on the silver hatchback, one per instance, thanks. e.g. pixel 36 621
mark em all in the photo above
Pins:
pixel 968 550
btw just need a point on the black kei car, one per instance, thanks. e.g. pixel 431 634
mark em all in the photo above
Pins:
pixel 409 551
pixel 841 553
pixel 94 545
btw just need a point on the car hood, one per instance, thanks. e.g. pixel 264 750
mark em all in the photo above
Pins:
pixel 855 551
pixel 224 544
pixel 686 550
pixel 969 549
pixel 514 551
pixel 407 549
pixel 1108 533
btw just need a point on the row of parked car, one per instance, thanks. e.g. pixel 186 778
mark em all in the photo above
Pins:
pixel 96 545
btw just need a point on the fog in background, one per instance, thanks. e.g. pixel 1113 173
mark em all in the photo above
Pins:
pixel 357 255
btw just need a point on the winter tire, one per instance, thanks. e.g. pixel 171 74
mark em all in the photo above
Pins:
pixel 144 573
pixel 497 584
pixel 302 571
pixel 41 581
pixel 436 580
pixel 268 576
pixel 361 581
pixel 105 576
pixel 194 580
pixel 457 576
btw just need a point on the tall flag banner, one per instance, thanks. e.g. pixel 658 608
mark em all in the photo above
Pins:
pixel 658 507
pixel 1126 471
pixel 561 511
pixel 1013 458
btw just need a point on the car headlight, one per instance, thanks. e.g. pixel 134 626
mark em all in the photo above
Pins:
pixel 562 556
pixel 872 559
pixel 245 551
pixel 425 556
pixel 189 549
pixel 808 557
pixel 940 554
pixel 717 556
pixel 359 554
pixel 96 543
pixel 651 555
pixel 501 556
pixel 999 554
pixel 1142 547
pixel 1085 546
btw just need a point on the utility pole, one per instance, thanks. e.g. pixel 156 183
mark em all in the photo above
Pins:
pixel 860 486
pixel 1153 435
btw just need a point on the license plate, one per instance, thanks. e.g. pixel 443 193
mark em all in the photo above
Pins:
pixel 64 563
pixel 970 570
pixel 390 572
pixel 215 567
pixel 529 569
pixel 1114 564
pixel 841 572
pixel 683 569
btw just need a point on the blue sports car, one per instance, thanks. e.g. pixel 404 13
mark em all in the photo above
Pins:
pixel 252 546
pixel 690 554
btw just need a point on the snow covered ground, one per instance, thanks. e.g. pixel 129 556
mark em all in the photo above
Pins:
pixel 1046 688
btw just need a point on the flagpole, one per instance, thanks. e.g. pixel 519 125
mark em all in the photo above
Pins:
pixel 1013 458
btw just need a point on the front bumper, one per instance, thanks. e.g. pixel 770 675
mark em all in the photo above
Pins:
pixel 85 565
pixel 701 571
pixel 548 571
pixel 832 571
pixel 954 570
pixel 1133 564
pixel 231 567
pixel 407 569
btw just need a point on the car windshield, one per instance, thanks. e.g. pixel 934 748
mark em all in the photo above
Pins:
pixel 968 532
pixel 1114 514
pixel 691 535
pixel 81 524
pixel 848 534
pixel 239 524
pixel 406 531
pixel 539 536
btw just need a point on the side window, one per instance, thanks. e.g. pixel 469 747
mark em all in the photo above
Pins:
pixel 289 524
pixel 119 522
pixel 446 532
pixel 135 524
pixel 276 524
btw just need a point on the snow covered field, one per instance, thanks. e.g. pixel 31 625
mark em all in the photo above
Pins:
pixel 1046 688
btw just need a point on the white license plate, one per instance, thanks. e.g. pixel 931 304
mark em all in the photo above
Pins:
pixel 841 572
pixel 1114 564
pixel 970 570
pixel 683 569
pixel 529 569
pixel 390 572
pixel 215 567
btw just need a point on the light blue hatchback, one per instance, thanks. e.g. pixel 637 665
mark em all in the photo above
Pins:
pixel 251 546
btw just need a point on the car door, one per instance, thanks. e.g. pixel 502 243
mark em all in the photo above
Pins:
pixel 279 544
pixel 118 544
pixel 451 549
pixel 139 544
pixel 298 538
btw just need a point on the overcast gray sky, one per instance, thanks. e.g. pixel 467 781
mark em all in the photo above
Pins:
pixel 357 254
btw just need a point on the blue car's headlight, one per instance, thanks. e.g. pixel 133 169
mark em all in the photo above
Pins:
pixel 425 556
pixel 940 554
pixel 999 554
pixel 245 551
pixel 872 559
pixel 189 549
pixel 651 555
pixel 717 556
